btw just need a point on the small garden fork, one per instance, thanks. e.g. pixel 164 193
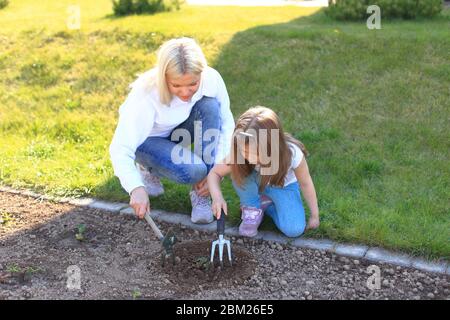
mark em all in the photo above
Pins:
pixel 221 242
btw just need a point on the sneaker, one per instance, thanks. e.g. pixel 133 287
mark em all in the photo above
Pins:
pixel 152 184
pixel 201 208
pixel 251 219
pixel 265 202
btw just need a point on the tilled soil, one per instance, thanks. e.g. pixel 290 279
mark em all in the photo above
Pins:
pixel 193 266
pixel 119 258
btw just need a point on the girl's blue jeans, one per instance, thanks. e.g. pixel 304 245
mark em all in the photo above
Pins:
pixel 287 210
pixel 155 153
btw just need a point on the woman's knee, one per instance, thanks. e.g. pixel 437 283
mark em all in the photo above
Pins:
pixel 190 174
pixel 208 103
pixel 209 107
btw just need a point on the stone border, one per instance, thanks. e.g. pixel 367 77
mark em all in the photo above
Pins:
pixel 373 254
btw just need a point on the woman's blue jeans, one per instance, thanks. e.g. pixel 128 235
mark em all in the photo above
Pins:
pixel 287 210
pixel 156 152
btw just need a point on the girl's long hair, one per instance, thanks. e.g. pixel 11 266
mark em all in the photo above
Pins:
pixel 259 119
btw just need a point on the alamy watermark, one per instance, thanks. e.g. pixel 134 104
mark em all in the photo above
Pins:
pixel 374 21
pixel 374 281
pixel 73 278
pixel 74 17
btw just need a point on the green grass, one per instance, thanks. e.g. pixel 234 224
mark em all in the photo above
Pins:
pixel 372 106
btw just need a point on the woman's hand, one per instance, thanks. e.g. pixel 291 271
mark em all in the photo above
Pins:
pixel 202 188
pixel 139 202
pixel 217 206
pixel 313 223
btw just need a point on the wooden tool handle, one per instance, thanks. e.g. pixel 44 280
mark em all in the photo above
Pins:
pixel 154 226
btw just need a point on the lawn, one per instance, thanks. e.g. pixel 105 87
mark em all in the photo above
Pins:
pixel 372 106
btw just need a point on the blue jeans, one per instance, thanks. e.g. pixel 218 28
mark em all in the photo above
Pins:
pixel 156 152
pixel 287 210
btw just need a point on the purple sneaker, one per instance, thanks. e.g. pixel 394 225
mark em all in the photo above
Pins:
pixel 251 219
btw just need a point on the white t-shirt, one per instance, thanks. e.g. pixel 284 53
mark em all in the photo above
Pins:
pixel 142 115
pixel 297 156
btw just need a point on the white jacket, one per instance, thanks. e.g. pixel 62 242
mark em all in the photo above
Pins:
pixel 142 115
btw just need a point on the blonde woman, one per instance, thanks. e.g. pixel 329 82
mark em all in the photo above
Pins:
pixel 178 102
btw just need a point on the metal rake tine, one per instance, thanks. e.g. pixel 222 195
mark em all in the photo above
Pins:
pixel 221 253
pixel 228 243
pixel 213 250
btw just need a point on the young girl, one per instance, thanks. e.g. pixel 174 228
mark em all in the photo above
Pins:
pixel 180 96
pixel 271 186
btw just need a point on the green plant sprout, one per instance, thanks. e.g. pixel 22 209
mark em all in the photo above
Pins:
pixel 5 218
pixel 80 234
pixel 202 262
pixel 14 268
pixel 136 294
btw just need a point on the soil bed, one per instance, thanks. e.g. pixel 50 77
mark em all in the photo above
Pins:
pixel 118 258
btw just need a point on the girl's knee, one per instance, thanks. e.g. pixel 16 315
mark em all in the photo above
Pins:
pixel 293 230
pixel 245 190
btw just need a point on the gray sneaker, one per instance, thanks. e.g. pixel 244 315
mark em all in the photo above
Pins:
pixel 153 185
pixel 201 208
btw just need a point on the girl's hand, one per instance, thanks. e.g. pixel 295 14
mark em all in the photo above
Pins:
pixel 139 202
pixel 217 206
pixel 313 223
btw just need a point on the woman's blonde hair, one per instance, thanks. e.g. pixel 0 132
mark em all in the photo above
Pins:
pixel 259 119
pixel 176 58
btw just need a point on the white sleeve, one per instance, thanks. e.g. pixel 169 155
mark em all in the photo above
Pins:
pixel 297 156
pixel 227 122
pixel 136 118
